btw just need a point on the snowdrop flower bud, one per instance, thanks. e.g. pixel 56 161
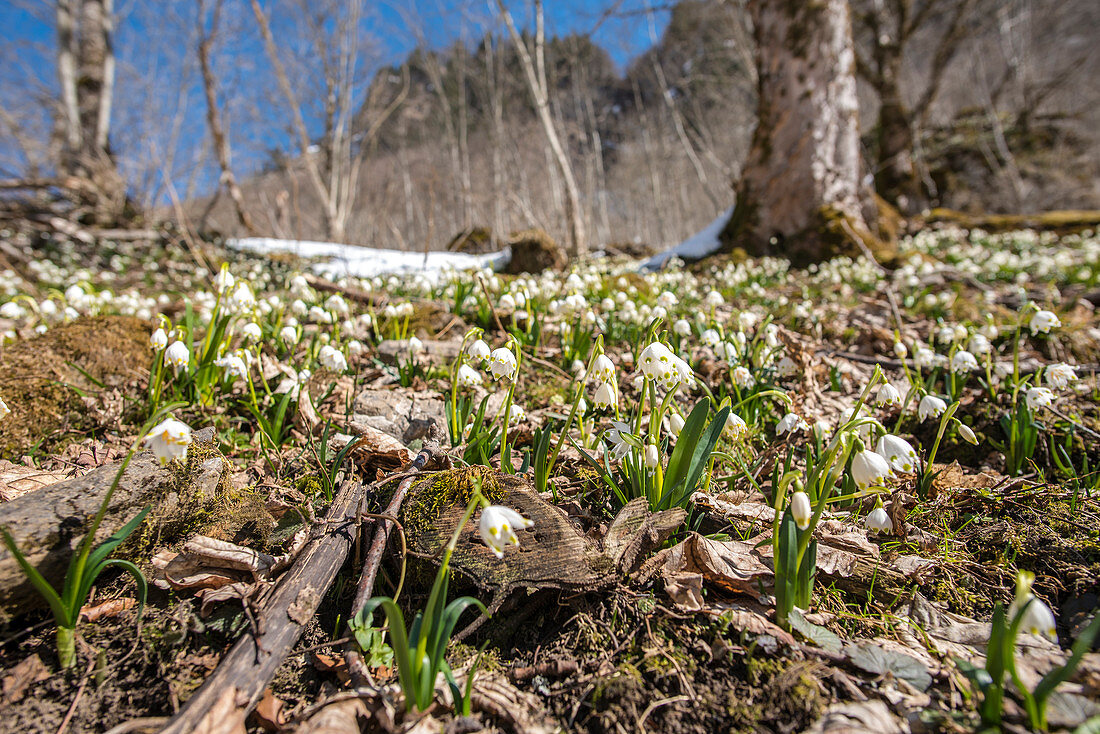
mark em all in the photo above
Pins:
pixel 169 439
pixel 177 355
pixel 963 361
pixel 676 424
pixel 478 350
pixel 252 331
pixel 801 510
pixel 497 527
pixel 1043 322
pixel 869 470
pixel 332 359
pixel 790 423
pixel 158 340
pixel 415 346
pixel 682 327
pixel 822 429
pixel 1039 397
pixel 516 415
pixel 899 452
pixel 582 406
pixel 878 521
pixel 900 351
pixel 224 280
pixel 968 434
pixel 233 365
pixel 298 307
pixel 1058 376
pixel 887 395
pixel 930 406
pixel 289 335
pixel 603 369
pixel 4 409
pixel 507 304
pixel 502 363
pixel 651 456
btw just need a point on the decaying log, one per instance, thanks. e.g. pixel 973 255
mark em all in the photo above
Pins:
pixel 230 693
pixel 48 524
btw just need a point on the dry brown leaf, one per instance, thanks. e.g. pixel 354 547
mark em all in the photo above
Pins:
pixel 179 571
pixel 334 664
pixel 685 590
pixel 342 717
pixel 378 448
pixel 107 609
pixel 226 716
pixel 743 618
pixel 270 712
pixel 17 480
pixel 732 565
pixel 238 591
pixel 29 671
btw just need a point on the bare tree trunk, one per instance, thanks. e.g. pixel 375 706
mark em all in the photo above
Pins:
pixel 535 73
pixel 86 75
pixel 213 114
pixel 801 193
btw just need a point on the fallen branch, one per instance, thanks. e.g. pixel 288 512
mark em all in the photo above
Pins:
pixel 234 689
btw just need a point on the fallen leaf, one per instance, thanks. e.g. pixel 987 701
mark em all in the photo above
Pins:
pixel 270 712
pixel 107 609
pixel 872 658
pixel 29 671
pixel 824 638
pixel 379 449
pixel 334 664
pixel 686 590
pixel 732 565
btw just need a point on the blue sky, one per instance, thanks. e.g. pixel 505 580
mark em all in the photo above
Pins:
pixel 159 122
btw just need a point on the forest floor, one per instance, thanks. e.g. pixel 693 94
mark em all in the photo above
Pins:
pixel 640 599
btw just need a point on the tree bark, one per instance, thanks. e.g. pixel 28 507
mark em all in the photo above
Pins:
pixel 801 194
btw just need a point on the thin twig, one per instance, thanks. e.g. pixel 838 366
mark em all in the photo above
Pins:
pixel 79 694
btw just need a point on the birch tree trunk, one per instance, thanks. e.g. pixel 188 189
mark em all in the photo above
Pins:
pixel 801 193
pixel 535 72
pixel 86 76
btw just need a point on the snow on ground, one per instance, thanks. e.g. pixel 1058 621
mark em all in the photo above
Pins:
pixel 366 262
pixel 699 245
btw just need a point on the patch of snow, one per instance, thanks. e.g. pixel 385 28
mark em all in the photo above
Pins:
pixel 699 245
pixel 366 262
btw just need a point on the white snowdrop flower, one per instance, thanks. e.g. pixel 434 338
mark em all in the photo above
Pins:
pixel 404 309
pixel 478 350
pixel 582 407
pixel 960 332
pixel 356 347
pixel 801 510
pixel 658 312
pixel 676 424
pixel 468 376
pixel 606 395
pixel 869 469
pixel 608 304
pixel 714 299
pixel 242 299
pixel 786 367
pixel 930 406
pixel 298 307
pixel 233 365
pixel 651 457
pixel 878 521
pixel 900 351
pixel 1058 376
pixel 887 395
pixel 5 411
pixel 332 359
pixel 48 309
pixel 980 345
pixel 968 434
pixel 666 300
pixel 682 327
pixel 252 331
pixel 790 423
pixel 656 360
pixel 158 340
pixel 736 425
pixel 177 355
pixel 578 368
pixel 289 335
pixel 337 305
pixel 711 338
pixel 923 357
pixel 516 414
pixel 507 304
pixel 415 346
pixel 963 361
pixel 497 527
pixel 299 285
pixel 1043 321
pixel 1037 618
pixel 603 369
pixel 389 312
pixel 899 452
pixel 502 363
pixel 169 439
pixel 224 280
pixel 319 315
pixel 743 378
pixel 1039 397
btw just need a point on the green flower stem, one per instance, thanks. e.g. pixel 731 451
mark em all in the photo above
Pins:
pixel 597 349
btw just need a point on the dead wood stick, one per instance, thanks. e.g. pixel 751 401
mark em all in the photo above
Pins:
pixel 355 294
pixel 374 560
pixel 251 664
